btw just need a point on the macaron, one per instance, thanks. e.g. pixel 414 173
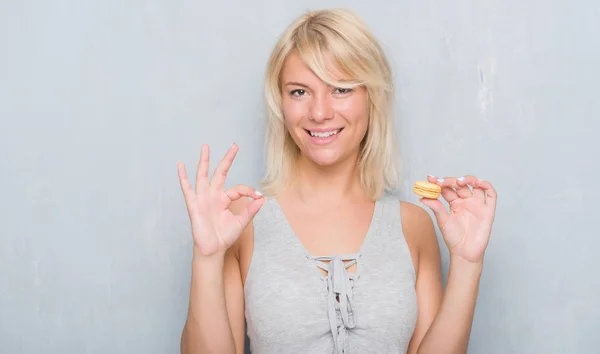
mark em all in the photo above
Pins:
pixel 427 190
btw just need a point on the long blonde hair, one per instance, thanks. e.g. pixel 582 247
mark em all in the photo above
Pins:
pixel 339 36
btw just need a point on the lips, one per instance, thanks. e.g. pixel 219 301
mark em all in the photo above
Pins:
pixel 323 133
pixel 323 136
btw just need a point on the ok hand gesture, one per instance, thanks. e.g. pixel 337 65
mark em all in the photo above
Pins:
pixel 214 227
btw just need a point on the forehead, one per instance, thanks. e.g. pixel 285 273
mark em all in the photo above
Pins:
pixel 295 68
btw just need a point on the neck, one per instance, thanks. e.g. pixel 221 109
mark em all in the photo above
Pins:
pixel 316 185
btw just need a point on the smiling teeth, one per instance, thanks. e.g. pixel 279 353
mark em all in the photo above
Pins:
pixel 324 134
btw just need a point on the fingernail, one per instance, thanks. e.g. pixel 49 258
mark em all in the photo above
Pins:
pixel 258 193
pixel 460 179
pixel 479 179
pixel 432 176
pixel 441 180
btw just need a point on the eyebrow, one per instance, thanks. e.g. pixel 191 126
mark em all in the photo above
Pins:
pixel 292 83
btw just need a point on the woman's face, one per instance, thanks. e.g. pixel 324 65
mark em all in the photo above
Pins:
pixel 327 123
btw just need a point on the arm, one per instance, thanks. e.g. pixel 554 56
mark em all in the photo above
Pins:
pixel 451 328
pixel 420 236
pixel 219 218
pixel 444 319
pixel 466 229
pixel 207 328
pixel 215 322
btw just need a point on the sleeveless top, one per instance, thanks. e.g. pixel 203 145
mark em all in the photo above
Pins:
pixel 291 307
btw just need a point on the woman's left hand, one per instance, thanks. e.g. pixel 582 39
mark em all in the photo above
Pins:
pixel 467 226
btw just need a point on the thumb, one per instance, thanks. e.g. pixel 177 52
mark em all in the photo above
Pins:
pixel 439 210
pixel 246 215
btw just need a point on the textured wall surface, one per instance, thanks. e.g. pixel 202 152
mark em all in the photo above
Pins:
pixel 100 99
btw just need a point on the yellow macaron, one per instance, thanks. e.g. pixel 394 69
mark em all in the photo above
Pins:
pixel 427 190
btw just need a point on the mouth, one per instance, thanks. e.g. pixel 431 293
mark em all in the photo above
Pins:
pixel 323 134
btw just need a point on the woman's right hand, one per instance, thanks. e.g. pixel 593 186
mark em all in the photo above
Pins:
pixel 214 227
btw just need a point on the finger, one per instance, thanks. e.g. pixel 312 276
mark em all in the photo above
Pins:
pixel 490 193
pixel 220 174
pixel 469 180
pixel 240 191
pixel 462 191
pixel 440 212
pixel 447 192
pixel 188 191
pixel 246 215
pixel 202 173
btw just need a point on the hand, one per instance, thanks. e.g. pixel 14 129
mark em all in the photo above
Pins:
pixel 466 228
pixel 214 227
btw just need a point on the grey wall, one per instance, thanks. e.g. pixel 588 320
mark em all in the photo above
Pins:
pixel 100 99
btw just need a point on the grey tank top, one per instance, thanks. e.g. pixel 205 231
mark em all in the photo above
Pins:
pixel 291 307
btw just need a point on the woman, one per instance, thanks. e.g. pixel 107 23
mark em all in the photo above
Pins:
pixel 328 260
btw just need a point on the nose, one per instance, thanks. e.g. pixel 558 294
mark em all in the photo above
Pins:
pixel 321 109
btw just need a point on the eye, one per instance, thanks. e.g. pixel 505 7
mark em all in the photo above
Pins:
pixel 298 93
pixel 342 91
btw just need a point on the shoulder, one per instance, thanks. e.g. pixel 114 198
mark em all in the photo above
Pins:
pixel 419 232
pixel 415 221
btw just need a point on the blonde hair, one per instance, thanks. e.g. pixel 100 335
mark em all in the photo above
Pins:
pixel 340 37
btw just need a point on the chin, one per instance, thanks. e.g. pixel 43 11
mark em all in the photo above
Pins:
pixel 325 158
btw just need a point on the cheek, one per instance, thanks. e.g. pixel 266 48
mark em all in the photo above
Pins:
pixel 292 111
pixel 355 111
pixel 292 117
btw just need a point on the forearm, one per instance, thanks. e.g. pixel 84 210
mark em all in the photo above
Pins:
pixel 451 328
pixel 207 328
